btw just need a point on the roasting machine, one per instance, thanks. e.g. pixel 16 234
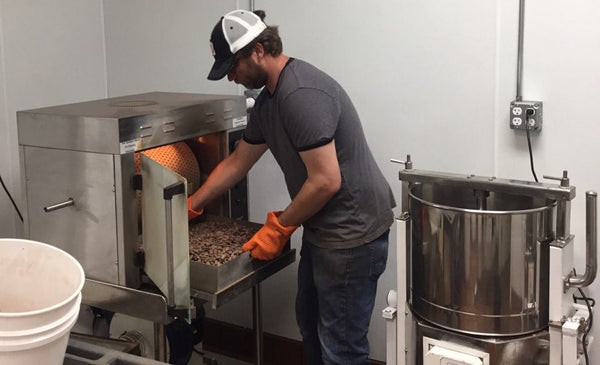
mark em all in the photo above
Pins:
pixel 485 272
pixel 107 181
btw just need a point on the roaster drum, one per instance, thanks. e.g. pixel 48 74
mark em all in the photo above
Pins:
pixel 479 260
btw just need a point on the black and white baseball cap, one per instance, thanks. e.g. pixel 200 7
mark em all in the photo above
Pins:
pixel 233 32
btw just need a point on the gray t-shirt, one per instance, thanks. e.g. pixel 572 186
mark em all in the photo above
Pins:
pixel 310 109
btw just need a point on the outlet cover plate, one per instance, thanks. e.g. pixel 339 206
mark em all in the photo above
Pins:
pixel 520 115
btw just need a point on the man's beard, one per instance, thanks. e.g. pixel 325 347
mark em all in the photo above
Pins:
pixel 257 77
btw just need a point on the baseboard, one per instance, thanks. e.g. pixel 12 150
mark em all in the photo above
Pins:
pixel 238 342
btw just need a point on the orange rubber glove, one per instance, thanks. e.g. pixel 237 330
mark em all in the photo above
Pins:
pixel 191 212
pixel 268 242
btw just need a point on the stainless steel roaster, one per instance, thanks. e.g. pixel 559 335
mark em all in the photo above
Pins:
pixel 94 187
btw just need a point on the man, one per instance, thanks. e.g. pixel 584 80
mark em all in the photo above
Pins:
pixel 338 193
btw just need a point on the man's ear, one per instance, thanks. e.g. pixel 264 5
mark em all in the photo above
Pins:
pixel 259 50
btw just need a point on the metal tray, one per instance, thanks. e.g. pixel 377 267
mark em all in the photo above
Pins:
pixel 219 284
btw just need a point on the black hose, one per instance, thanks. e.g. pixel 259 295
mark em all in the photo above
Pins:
pixel 11 199
pixel 527 127
pixel 589 326
pixel 589 302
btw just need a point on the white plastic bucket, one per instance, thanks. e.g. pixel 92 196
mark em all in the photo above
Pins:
pixel 40 294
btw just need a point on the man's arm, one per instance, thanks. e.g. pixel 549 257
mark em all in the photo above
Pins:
pixel 324 180
pixel 227 173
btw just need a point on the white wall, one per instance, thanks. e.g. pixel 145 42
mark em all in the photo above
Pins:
pixel 430 79
pixel 50 53
pixel 161 45
pixel 394 60
pixel 561 64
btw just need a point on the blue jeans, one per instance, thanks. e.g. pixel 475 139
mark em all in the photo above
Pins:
pixel 336 294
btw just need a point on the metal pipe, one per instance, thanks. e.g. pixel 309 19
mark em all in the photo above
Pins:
pixel 591 240
pixel 563 222
pixel 481 199
pixel 160 342
pixel 257 321
pixel 520 50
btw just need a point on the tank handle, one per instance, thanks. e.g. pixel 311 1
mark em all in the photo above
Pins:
pixel 591 240
pixel 407 163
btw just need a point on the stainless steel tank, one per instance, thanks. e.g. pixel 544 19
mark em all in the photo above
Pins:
pixel 479 260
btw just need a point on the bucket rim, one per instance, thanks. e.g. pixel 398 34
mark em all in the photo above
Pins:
pixel 548 206
pixel 51 326
pixel 37 340
pixel 57 305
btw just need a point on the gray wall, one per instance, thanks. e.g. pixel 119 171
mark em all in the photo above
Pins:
pixel 433 79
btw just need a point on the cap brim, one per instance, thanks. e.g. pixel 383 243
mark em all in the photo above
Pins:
pixel 221 68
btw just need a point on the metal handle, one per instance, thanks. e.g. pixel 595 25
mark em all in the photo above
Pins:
pixel 407 164
pixel 169 254
pixel 168 193
pixel 591 240
pixel 564 180
pixel 58 206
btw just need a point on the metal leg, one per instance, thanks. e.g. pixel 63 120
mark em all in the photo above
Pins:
pixel 404 350
pixel 257 323
pixel 389 313
pixel 160 342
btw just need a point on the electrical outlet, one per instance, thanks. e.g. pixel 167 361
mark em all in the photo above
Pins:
pixel 526 114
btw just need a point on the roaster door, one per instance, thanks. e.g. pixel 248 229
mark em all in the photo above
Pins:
pixel 162 229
